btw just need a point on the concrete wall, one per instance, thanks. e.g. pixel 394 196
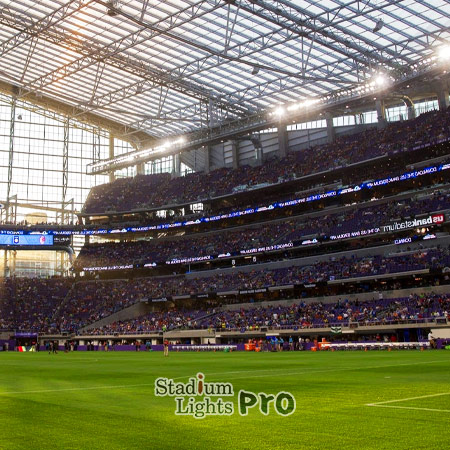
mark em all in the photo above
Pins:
pixel 441 333
pixel 133 311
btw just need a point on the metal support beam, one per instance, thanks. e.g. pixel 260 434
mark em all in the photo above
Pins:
pixel 11 148
pixel 112 175
pixel 11 209
pixel 65 168
pixel 37 28
pixel 113 54
pixel 61 263
pixel 290 16
pixel 53 109
pixel 262 120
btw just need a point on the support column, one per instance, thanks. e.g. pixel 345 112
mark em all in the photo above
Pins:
pixel 282 140
pixel 258 154
pixel 11 149
pixel 207 151
pixel 140 169
pixel 411 111
pixel 381 113
pixel 5 264
pixel 211 113
pixel 12 262
pixel 442 91
pixel 177 165
pixel 11 209
pixel 111 174
pixel 331 132
pixel 65 169
pixel 235 153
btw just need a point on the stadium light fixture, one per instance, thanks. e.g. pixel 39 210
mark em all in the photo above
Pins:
pixel 293 107
pixel 279 111
pixel 303 104
pixel 444 52
pixel 381 80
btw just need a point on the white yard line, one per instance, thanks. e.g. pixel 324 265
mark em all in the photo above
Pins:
pixel 412 407
pixel 388 403
pixel 342 369
pixel 271 374
pixel 120 386
pixel 407 399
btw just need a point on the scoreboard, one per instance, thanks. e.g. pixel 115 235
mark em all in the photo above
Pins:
pixel 20 240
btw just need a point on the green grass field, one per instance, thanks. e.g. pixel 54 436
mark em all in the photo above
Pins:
pixel 106 401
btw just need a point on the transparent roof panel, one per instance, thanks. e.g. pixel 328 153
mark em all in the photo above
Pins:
pixel 165 67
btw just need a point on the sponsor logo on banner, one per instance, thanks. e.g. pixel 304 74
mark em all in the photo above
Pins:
pixel 430 220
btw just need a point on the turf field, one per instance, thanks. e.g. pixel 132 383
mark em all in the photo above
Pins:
pixel 107 401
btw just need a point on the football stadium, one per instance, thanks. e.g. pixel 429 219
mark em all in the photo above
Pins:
pixel 224 224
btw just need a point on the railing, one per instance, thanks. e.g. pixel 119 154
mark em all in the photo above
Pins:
pixel 265 328
pixel 203 348
pixel 295 327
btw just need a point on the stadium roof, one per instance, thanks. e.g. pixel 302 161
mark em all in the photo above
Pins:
pixel 176 66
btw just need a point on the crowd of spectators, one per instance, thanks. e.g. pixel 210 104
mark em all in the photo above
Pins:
pixel 32 304
pixel 155 321
pixel 415 308
pixel 156 190
pixel 51 306
pixel 376 312
pixel 91 301
pixel 359 217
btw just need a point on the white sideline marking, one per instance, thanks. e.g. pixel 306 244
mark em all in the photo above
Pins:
pixel 124 386
pixel 407 399
pixel 77 389
pixel 411 407
pixel 346 369
pixel 386 405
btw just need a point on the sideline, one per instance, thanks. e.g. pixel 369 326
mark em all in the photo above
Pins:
pixel 125 386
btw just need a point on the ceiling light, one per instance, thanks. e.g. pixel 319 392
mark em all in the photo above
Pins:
pixel 279 111
pixel 380 80
pixel 444 52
